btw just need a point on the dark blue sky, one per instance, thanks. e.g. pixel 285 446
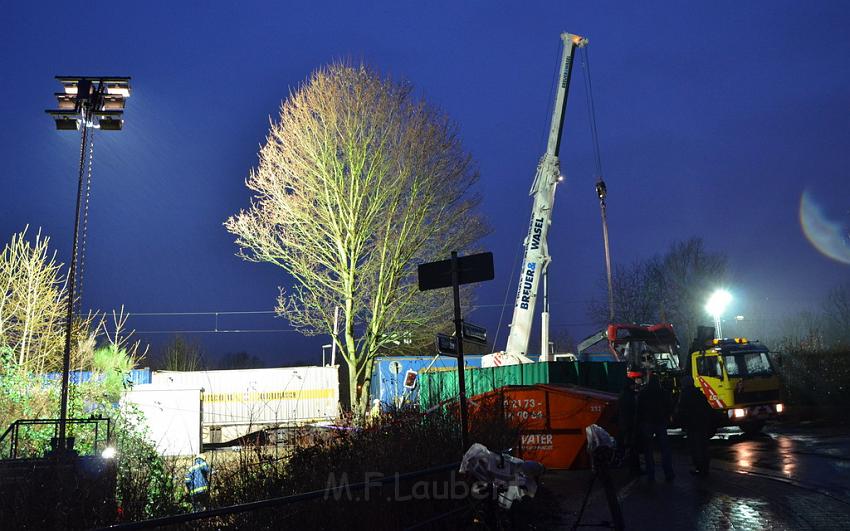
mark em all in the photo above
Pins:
pixel 713 119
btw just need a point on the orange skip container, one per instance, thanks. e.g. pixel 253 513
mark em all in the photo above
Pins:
pixel 552 419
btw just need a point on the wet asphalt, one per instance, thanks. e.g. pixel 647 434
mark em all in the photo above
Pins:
pixel 812 455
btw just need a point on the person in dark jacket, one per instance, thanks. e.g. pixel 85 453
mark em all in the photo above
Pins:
pixel 653 409
pixel 698 419
pixel 628 436
pixel 197 481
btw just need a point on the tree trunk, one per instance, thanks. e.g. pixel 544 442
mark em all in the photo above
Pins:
pixel 359 382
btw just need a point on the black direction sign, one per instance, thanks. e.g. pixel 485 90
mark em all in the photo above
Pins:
pixel 472 268
pixel 446 345
pixel 475 333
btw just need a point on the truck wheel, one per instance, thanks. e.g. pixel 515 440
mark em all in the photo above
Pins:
pixel 752 428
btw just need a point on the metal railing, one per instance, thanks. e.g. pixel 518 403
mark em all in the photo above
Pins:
pixel 12 435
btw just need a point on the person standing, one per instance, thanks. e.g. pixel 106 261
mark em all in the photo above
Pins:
pixel 654 408
pixel 698 419
pixel 197 481
pixel 627 435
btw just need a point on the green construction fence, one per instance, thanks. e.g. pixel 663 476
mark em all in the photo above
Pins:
pixel 442 386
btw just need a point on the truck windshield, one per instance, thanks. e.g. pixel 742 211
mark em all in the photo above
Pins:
pixel 747 364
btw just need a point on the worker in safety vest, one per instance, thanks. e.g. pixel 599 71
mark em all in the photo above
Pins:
pixel 198 483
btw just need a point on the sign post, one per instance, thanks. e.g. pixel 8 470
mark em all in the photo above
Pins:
pixel 461 367
pixel 454 272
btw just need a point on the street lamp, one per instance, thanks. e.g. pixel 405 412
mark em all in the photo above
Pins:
pixel 716 305
pixel 85 104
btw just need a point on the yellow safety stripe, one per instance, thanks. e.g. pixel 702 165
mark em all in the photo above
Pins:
pixel 199 489
pixel 266 396
pixel 196 467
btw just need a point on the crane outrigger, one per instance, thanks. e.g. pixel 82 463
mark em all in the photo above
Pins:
pixel 536 256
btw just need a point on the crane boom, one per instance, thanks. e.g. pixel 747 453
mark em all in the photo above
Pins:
pixel 536 257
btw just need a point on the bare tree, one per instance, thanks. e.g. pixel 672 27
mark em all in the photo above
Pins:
pixel 672 287
pixel 689 274
pixel 357 183
pixel 181 355
pixel 32 302
pixel 637 294
pixel 836 313
pixel 240 360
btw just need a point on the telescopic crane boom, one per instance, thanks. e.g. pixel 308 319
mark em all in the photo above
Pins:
pixel 536 257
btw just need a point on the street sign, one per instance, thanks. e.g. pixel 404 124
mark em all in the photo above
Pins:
pixel 395 368
pixel 410 379
pixel 475 333
pixel 472 268
pixel 452 273
pixel 446 345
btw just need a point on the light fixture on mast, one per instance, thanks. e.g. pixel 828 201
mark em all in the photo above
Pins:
pixel 85 103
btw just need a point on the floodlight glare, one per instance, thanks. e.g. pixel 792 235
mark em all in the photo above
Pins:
pixel 718 301
pixel 715 306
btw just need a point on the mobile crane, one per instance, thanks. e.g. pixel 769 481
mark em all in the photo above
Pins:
pixel 536 257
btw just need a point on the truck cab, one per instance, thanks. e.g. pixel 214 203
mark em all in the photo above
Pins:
pixel 739 381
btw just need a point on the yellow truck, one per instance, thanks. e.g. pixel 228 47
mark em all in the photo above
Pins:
pixel 738 378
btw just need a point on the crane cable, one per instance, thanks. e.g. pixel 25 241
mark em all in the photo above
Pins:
pixel 591 113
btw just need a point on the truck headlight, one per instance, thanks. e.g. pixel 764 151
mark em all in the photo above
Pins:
pixel 780 408
pixel 740 413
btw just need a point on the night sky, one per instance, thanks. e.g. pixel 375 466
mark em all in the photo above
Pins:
pixel 714 118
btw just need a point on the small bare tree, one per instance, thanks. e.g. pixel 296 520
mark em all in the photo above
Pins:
pixel 32 302
pixel 357 183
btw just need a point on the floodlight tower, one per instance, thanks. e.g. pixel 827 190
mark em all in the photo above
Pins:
pixel 85 104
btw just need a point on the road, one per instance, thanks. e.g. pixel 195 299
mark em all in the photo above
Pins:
pixel 811 456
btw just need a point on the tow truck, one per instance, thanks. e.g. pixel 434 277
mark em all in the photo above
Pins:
pixel 735 374
pixel 738 379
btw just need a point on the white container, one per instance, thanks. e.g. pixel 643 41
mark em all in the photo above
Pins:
pixel 251 399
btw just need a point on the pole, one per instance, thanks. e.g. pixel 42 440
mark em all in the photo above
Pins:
pixel 602 192
pixel 718 332
pixel 459 341
pixel 72 280
pixel 544 318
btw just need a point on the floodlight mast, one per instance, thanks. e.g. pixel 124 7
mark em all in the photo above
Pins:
pixel 536 258
pixel 86 103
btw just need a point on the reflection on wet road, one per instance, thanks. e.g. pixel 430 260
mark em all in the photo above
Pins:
pixel 815 456
pixel 789 477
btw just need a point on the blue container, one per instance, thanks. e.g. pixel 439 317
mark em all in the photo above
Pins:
pixel 389 388
pixel 136 377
